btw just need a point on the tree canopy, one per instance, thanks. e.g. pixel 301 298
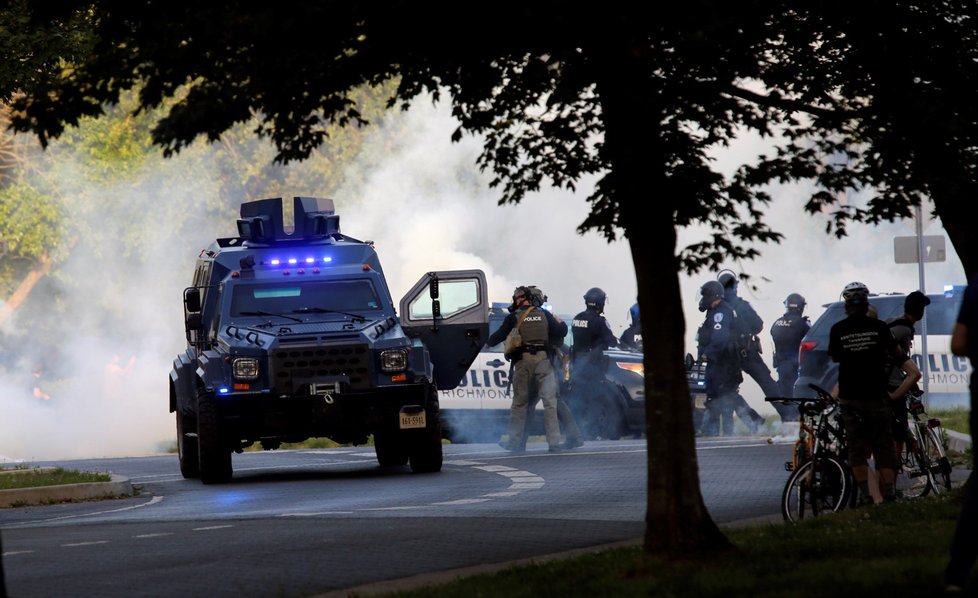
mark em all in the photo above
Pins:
pixel 852 102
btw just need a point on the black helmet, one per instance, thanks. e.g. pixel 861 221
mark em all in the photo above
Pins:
pixel 795 301
pixel 595 297
pixel 536 296
pixel 710 292
pixel 728 279
pixel 855 293
pixel 633 314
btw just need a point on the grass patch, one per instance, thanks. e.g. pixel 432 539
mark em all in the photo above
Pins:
pixel 897 549
pixel 11 479
pixel 952 419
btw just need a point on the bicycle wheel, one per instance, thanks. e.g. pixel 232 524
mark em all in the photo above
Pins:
pixel 817 486
pixel 914 480
pixel 940 466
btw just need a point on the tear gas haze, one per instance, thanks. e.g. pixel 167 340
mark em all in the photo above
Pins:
pixel 119 324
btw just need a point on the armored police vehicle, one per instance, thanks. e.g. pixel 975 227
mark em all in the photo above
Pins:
pixel 294 335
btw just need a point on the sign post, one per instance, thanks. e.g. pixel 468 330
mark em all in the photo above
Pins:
pixel 920 249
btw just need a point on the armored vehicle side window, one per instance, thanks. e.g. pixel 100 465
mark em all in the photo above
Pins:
pixel 307 297
pixel 454 296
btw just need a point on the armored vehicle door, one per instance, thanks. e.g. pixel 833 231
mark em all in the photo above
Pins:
pixel 448 312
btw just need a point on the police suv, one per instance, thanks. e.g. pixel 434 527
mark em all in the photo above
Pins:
pixel 947 374
pixel 477 410
pixel 294 335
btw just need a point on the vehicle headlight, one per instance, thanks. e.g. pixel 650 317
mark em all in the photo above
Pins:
pixel 244 368
pixel 393 360
pixel 636 368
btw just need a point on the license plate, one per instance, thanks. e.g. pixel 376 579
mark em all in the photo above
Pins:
pixel 413 420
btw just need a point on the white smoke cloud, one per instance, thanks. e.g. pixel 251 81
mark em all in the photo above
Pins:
pixel 427 207
pixel 435 210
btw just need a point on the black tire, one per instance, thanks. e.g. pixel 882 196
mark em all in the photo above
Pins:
pixel 602 418
pixel 818 486
pixel 215 456
pixel 915 480
pixel 425 446
pixel 187 447
pixel 390 448
pixel 940 466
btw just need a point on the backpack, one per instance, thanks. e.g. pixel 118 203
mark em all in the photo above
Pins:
pixel 894 373
pixel 513 340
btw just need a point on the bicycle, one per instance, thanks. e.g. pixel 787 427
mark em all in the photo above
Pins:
pixel 821 479
pixel 925 467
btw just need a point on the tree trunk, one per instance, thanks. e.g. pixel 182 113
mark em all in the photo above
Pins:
pixel 24 288
pixel 955 213
pixel 678 524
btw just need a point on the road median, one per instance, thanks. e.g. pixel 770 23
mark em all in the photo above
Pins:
pixel 38 495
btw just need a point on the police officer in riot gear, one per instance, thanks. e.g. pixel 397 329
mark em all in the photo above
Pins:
pixel 556 350
pixel 532 367
pixel 717 343
pixel 749 325
pixel 631 338
pixel 787 332
pixel 592 335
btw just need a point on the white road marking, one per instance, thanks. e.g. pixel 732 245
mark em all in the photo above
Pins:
pixel 210 527
pixel 315 514
pixel 152 501
pixel 526 486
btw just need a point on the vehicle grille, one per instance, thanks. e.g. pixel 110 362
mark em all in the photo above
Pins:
pixel 295 366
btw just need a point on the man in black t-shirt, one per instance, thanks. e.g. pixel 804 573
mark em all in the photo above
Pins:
pixel 863 346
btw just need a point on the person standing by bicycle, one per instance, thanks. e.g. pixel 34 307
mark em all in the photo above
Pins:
pixel 964 543
pixel 862 346
pixel 903 331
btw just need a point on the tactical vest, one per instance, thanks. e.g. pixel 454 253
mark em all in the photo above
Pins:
pixel 534 330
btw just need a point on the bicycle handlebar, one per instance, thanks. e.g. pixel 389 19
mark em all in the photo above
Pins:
pixel 822 395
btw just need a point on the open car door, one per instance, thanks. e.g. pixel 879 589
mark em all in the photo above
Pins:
pixel 449 312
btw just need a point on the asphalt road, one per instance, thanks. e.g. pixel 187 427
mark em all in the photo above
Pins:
pixel 304 523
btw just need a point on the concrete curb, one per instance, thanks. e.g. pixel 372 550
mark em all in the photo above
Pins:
pixel 118 486
pixel 956 441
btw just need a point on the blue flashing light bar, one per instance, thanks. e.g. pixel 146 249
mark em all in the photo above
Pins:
pixel 293 261
pixel 950 290
pixel 223 390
